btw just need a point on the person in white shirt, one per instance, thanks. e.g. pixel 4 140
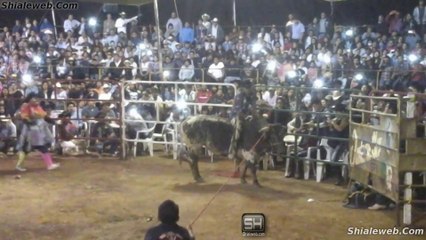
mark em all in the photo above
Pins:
pixel 297 30
pixel 186 72
pixel 59 92
pixel 216 70
pixel 70 25
pixel 270 97
pixel 109 24
pixel 175 22
pixel 122 21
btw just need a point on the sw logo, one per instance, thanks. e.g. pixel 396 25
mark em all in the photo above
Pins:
pixel 253 224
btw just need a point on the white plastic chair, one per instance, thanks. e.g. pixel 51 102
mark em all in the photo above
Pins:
pixel 320 164
pixel 162 136
pixel 289 143
pixel 147 141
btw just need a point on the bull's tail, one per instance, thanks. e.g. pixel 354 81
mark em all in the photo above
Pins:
pixel 232 153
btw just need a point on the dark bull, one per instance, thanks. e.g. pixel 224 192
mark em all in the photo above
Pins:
pixel 215 133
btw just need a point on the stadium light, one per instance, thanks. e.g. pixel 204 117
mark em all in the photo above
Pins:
pixel 413 58
pixel 292 74
pixel 149 52
pixel 37 59
pixel 359 77
pixel 133 112
pixel 326 59
pixel 349 33
pixel 166 74
pixel 256 47
pixel 318 83
pixel 93 22
pixel 142 46
pixel 27 79
pixel 181 104
pixel 271 66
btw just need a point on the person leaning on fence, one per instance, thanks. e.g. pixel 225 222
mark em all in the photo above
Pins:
pixel 168 214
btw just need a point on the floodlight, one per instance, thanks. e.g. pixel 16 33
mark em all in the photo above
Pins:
pixel 292 74
pixel 166 74
pixel 318 83
pixel 256 47
pixel 181 104
pixel 93 22
pixel 349 33
pixel 271 66
pixel 37 59
pixel 413 58
pixel 359 77
pixel 27 79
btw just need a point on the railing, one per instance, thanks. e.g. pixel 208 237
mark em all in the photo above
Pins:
pixel 177 102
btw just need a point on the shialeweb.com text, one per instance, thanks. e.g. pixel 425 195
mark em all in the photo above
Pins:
pixel 33 6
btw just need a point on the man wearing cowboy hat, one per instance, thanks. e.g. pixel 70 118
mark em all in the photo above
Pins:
pixel 122 21
pixel 216 31
pixel 206 21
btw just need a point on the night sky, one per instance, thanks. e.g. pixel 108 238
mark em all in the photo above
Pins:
pixel 249 12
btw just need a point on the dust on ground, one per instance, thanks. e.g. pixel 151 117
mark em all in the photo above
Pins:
pixel 111 199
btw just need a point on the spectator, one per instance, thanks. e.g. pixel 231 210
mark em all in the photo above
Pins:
pixel 105 136
pixel 216 31
pixel 168 214
pixel 122 21
pixel 297 31
pixel 109 25
pixel 419 15
pixel 70 25
pixel 216 70
pixel 186 34
pixel 186 72
pixel 175 22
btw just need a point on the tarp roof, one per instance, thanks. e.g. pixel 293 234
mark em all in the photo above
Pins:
pixel 122 2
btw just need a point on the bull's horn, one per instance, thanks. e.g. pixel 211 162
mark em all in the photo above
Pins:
pixel 264 129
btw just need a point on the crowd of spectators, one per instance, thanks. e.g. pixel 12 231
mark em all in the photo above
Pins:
pixel 85 63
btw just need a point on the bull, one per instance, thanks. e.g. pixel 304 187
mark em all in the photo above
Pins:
pixel 215 133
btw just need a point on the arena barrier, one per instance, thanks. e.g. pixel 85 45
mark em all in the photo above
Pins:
pixel 165 136
pixel 388 154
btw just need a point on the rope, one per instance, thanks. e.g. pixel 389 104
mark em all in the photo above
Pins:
pixel 222 186
pixel 211 200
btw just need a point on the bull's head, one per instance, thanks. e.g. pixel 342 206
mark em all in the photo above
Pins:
pixel 272 133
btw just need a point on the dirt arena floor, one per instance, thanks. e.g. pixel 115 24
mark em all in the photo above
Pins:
pixel 109 199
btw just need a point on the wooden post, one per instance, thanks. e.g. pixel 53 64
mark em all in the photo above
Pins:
pixel 408 194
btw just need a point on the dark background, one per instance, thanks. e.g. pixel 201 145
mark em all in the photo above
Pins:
pixel 249 12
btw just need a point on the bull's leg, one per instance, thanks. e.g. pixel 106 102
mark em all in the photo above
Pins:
pixel 253 172
pixel 194 166
pixel 243 173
